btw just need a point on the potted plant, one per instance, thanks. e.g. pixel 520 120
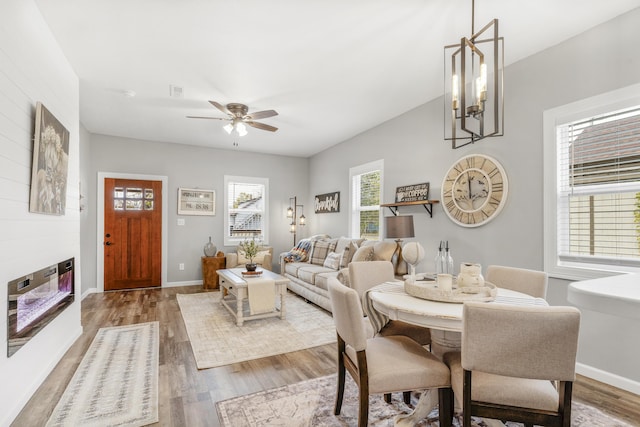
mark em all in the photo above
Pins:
pixel 250 249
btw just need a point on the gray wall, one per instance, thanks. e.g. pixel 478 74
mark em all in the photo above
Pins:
pixel 414 151
pixel 32 69
pixel 191 167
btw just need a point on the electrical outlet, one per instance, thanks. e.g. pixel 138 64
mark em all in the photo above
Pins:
pixel 181 266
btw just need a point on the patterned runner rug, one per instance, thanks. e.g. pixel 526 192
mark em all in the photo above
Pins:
pixel 216 340
pixel 310 403
pixel 117 381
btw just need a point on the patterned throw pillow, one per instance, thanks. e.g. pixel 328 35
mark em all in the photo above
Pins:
pixel 347 254
pixel 332 261
pixel 321 249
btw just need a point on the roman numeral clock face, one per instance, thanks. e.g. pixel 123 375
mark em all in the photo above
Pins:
pixel 474 190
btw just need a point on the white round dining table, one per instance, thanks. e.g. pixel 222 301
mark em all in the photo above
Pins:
pixel 445 321
pixel 443 318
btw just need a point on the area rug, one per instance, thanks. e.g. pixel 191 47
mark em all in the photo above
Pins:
pixel 116 382
pixel 310 403
pixel 216 340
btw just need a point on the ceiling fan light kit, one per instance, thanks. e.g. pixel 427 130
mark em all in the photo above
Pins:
pixel 239 118
pixel 474 74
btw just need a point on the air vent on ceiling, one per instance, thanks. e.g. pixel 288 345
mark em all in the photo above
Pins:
pixel 176 91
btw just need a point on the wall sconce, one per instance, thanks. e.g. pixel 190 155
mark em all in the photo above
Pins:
pixel 474 74
pixel 292 213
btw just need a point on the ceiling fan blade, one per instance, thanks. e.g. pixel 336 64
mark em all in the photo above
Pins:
pixel 220 107
pixel 261 126
pixel 211 118
pixel 261 114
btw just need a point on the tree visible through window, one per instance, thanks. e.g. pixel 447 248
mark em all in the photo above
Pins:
pixel 366 194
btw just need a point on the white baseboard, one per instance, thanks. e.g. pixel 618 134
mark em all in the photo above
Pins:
pixel 89 292
pixel 608 378
pixel 187 283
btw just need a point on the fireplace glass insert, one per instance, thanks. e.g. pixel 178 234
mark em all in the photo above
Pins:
pixel 36 299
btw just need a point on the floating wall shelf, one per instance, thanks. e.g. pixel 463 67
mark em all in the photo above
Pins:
pixel 428 205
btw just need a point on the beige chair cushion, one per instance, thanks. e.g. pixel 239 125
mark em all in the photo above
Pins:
pixel 400 364
pixel 363 253
pixel 258 259
pixel 525 393
pixel 383 251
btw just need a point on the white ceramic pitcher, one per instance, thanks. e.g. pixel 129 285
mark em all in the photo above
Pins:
pixel 470 275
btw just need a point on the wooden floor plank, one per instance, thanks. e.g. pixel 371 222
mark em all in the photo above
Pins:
pixel 187 396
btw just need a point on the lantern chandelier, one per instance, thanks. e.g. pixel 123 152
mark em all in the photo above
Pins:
pixel 474 101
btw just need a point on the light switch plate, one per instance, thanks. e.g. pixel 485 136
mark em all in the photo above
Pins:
pixel 180 221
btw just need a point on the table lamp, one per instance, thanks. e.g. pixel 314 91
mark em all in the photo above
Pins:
pixel 398 228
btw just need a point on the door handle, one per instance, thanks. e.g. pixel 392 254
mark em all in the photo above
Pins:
pixel 107 243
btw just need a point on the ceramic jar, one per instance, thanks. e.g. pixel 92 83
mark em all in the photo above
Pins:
pixel 210 249
pixel 470 275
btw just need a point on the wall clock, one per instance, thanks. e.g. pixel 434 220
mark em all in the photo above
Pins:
pixel 474 190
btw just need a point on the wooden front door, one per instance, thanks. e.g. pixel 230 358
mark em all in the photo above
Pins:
pixel 132 233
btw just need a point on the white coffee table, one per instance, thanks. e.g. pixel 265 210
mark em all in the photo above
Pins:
pixel 234 293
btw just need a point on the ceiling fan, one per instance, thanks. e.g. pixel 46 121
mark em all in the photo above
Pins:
pixel 239 117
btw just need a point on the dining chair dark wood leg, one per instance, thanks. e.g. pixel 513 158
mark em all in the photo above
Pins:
pixel 466 399
pixel 387 397
pixel 341 376
pixel 363 398
pixel 406 396
pixel 445 406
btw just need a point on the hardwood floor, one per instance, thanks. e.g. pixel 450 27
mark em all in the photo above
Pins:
pixel 187 396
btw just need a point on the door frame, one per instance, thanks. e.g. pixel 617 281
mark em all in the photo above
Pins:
pixel 100 222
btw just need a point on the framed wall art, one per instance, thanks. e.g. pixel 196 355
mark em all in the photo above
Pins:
pixel 412 193
pixel 50 164
pixel 193 201
pixel 327 203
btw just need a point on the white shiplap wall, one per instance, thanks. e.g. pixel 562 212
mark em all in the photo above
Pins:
pixel 32 69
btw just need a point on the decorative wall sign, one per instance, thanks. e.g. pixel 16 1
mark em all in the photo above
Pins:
pixel 50 164
pixel 327 203
pixel 192 201
pixel 412 193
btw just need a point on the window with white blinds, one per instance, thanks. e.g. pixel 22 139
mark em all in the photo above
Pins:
pixel 598 189
pixel 246 212
pixel 366 193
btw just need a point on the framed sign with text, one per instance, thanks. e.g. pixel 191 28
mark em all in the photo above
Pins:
pixel 412 193
pixel 193 201
pixel 327 203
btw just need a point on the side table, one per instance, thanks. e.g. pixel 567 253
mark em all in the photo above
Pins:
pixel 210 265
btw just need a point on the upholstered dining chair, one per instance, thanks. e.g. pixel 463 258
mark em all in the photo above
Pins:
pixel 517 363
pixel 530 282
pixel 363 276
pixel 382 364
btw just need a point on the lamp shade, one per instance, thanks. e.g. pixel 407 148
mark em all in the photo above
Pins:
pixel 399 227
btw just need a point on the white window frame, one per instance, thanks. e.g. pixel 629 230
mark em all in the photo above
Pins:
pixel 611 101
pixel 354 218
pixel 228 179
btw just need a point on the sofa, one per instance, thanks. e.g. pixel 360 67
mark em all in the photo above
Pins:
pixel 318 260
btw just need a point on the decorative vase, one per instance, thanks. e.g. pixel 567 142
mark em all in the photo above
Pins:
pixel 470 275
pixel 210 249
pixel 251 266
